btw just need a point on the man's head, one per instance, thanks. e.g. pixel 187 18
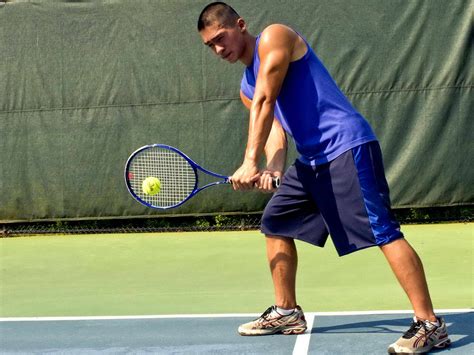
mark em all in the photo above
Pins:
pixel 223 30
pixel 217 12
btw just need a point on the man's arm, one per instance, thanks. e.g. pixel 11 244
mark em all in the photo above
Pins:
pixel 275 51
pixel 275 151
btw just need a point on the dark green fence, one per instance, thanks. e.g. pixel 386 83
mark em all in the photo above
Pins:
pixel 85 83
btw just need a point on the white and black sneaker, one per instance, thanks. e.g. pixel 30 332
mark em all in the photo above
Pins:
pixel 421 338
pixel 272 322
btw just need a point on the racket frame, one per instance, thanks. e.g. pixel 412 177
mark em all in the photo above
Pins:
pixel 223 179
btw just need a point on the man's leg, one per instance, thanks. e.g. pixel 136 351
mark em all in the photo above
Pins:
pixel 290 212
pixel 408 269
pixel 422 335
pixel 283 261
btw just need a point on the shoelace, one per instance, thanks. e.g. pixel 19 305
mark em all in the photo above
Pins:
pixel 267 312
pixel 415 327
pixel 413 330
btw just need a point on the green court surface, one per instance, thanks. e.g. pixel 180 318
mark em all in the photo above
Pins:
pixel 216 272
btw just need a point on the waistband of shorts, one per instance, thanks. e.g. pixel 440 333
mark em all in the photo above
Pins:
pixel 302 160
pixel 315 162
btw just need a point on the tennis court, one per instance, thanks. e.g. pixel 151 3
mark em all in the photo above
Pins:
pixel 86 83
pixel 188 292
pixel 332 333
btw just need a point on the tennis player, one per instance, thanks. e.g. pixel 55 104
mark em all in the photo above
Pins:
pixel 337 185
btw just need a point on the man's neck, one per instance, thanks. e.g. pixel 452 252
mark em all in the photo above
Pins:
pixel 247 57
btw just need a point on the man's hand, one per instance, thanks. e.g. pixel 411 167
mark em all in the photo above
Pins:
pixel 246 176
pixel 265 182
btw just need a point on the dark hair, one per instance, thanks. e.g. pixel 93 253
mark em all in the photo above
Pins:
pixel 219 12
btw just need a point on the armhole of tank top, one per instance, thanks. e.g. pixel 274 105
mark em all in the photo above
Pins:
pixel 308 48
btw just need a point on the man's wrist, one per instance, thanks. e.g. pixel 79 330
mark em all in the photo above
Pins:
pixel 250 159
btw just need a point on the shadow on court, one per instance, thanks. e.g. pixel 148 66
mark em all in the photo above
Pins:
pixel 341 334
pixel 356 334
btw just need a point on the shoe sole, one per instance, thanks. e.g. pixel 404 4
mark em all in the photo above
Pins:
pixel 285 331
pixel 442 345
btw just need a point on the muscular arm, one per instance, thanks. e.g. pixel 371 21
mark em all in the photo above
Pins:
pixel 276 50
pixel 275 149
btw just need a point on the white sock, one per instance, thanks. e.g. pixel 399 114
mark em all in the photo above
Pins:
pixel 284 312
pixel 436 324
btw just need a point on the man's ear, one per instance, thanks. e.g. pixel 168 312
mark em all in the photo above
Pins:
pixel 242 24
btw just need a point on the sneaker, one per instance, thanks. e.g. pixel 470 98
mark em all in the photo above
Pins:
pixel 272 322
pixel 421 338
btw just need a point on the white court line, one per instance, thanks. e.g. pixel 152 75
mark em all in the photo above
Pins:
pixel 157 316
pixel 302 340
pixel 218 315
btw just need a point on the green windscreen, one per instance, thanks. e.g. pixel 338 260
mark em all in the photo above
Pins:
pixel 85 83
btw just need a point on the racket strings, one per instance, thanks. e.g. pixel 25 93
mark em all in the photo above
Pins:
pixel 177 176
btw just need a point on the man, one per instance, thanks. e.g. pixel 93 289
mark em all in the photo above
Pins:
pixel 337 185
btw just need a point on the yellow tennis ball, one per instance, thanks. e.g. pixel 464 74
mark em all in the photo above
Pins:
pixel 151 186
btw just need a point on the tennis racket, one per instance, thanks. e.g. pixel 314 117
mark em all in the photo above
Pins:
pixel 177 173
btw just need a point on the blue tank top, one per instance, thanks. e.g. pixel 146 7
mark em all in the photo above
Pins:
pixel 313 110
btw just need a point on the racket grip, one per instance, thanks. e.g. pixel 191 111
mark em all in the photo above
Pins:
pixel 276 182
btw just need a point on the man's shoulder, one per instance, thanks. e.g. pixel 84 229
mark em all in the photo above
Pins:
pixel 277 28
pixel 282 38
pixel 277 33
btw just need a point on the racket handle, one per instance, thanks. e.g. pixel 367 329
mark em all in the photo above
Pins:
pixel 275 183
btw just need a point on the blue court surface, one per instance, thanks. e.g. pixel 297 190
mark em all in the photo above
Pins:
pixel 331 333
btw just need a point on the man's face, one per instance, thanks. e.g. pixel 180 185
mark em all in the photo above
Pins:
pixel 226 42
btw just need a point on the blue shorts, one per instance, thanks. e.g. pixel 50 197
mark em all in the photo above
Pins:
pixel 347 198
